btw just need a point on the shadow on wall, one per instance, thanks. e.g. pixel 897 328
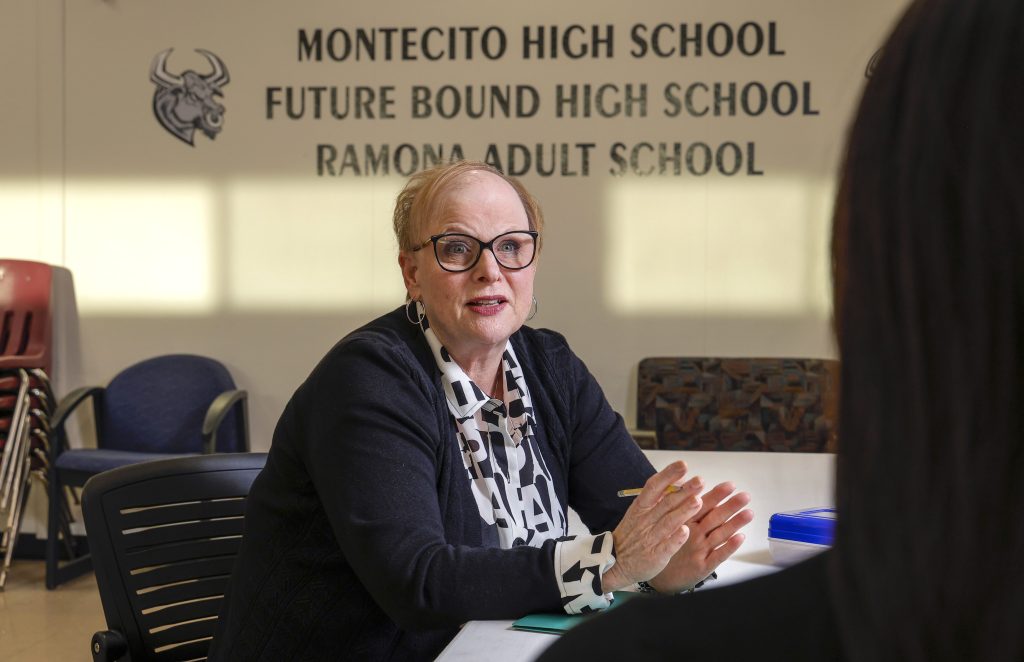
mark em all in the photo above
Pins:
pixel 267 273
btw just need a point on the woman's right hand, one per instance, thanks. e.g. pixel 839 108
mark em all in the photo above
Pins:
pixel 654 527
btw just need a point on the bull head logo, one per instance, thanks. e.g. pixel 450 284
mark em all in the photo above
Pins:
pixel 186 102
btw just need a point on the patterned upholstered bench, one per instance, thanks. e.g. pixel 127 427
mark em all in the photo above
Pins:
pixel 740 404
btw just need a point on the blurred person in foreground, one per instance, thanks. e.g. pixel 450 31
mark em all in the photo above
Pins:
pixel 421 476
pixel 928 274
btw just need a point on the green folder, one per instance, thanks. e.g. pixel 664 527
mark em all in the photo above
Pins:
pixel 559 623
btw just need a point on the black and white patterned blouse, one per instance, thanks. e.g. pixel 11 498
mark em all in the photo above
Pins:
pixel 510 481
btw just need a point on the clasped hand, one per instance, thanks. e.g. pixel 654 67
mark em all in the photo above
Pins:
pixel 675 539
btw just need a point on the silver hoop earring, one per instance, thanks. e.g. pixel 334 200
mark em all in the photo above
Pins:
pixel 533 309
pixel 419 311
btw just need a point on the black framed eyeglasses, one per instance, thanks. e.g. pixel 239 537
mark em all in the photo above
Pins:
pixel 460 252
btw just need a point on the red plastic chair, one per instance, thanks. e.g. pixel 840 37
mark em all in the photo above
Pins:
pixel 25 323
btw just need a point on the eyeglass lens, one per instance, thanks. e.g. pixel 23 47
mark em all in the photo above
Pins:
pixel 458 252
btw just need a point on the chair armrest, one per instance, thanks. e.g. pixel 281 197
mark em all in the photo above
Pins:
pixel 108 646
pixel 215 415
pixel 68 405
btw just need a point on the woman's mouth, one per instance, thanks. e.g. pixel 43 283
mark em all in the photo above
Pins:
pixel 487 305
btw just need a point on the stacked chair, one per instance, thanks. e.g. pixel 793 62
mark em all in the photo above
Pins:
pixel 158 408
pixel 26 398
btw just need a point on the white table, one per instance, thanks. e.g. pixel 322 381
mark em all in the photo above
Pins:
pixel 777 482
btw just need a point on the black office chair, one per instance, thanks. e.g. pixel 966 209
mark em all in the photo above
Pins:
pixel 162 407
pixel 164 536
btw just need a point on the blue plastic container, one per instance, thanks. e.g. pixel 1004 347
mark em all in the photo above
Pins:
pixel 799 534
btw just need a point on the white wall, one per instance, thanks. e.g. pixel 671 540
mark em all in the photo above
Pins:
pixel 236 248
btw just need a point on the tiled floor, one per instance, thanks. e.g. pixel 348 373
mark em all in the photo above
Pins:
pixel 47 626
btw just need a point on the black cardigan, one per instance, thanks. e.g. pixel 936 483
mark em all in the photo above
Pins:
pixel 362 538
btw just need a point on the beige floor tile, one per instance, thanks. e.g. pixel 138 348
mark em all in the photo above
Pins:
pixel 48 626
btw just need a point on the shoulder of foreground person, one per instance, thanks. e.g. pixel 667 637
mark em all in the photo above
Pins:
pixel 785 615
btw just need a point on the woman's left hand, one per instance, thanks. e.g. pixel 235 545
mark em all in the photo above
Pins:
pixel 714 537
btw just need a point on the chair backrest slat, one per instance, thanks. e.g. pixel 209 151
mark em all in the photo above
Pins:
pixel 179 592
pixel 189 651
pixel 177 633
pixel 158 514
pixel 181 572
pixel 195 532
pixel 185 551
pixel 201 607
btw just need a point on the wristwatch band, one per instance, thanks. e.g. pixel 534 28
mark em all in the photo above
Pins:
pixel 644 587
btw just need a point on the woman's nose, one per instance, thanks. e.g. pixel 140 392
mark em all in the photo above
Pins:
pixel 487 267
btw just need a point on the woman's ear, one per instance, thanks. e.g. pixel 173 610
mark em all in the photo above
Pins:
pixel 410 273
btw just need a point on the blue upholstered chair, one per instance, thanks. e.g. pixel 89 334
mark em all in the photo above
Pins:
pixel 167 406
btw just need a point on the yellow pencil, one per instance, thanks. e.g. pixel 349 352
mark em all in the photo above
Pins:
pixel 637 490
